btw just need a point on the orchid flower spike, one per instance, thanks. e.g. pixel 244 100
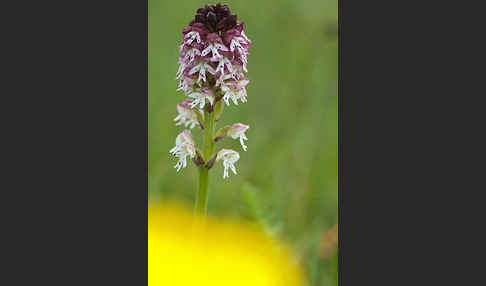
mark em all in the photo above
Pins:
pixel 185 146
pixel 187 115
pixel 229 158
pixel 214 49
pixel 236 131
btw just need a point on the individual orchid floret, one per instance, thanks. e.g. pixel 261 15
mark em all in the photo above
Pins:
pixel 191 36
pixel 191 55
pixel 229 158
pixel 200 95
pixel 220 68
pixel 221 80
pixel 186 84
pixel 215 44
pixel 234 90
pixel 236 131
pixel 187 115
pixel 185 146
pixel 186 61
pixel 182 67
pixel 240 44
pixel 201 67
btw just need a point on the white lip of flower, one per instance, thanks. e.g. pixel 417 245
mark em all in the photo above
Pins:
pixel 228 94
pixel 213 48
pixel 186 116
pixel 241 95
pixel 199 97
pixel 236 131
pixel 236 44
pixel 191 54
pixel 184 147
pixel 235 93
pixel 237 71
pixel 222 62
pixel 186 84
pixel 222 78
pixel 229 158
pixel 244 60
pixel 193 35
pixel 180 71
pixel 201 67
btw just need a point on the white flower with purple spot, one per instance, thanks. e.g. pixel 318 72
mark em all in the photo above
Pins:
pixel 235 90
pixel 236 44
pixel 236 131
pixel 191 55
pixel 186 84
pixel 200 95
pixel 229 158
pixel 221 80
pixel 220 68
pixel 201 68
pixel 213 48
pixel 191 36
pixel 184 147
pixel 187 115
pixel 182 68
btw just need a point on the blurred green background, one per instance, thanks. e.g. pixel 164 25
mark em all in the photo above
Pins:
pixel 287 180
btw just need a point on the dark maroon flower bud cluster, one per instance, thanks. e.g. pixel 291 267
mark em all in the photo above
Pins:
pixel 216 18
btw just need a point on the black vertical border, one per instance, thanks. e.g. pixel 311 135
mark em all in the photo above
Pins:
pixel 383 62
pixel 340 142
pixel 80 143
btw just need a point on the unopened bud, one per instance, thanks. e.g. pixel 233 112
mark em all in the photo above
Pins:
pixel 221 133
pixel 209 108
pixel 210 163
pixel 198 160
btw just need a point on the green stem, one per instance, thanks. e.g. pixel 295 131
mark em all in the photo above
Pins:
pixel 208 146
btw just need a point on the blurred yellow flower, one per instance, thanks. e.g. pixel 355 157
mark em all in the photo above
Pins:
pixel 182 251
